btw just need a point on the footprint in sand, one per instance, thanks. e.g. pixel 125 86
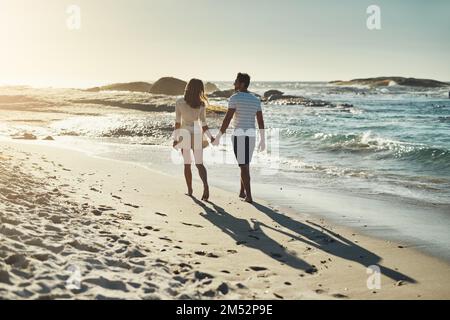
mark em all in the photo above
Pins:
pixel 5 277
pixel 166 239
pixel 192 225
pixel 131 205
pixel 107 284
pixel 202 275
pixel 161 214
pixel 83 247
pixel 256 268
pixel 134 253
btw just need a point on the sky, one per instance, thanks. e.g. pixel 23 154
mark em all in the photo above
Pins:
pixel 278 40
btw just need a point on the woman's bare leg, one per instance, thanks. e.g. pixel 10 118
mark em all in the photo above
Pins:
pixel 187 170
pixel 198 156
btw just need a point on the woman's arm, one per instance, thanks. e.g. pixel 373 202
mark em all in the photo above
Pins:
pixel 176 133
pixel 205 125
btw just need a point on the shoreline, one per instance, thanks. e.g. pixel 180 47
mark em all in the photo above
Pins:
pixel 257 252
pixel 382 217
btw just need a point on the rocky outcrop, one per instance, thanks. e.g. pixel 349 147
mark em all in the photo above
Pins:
pixel 153 103
pixel 210 87
pixel 270 93
pixel 289 100
pixel 275 98
pixel 130 86
pixel 169 86
pixel 389 81
pixel 222 94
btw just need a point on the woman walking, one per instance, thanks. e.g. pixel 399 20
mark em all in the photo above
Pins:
pixel 190 129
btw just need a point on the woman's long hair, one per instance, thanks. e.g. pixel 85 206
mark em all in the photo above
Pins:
pixel 194 94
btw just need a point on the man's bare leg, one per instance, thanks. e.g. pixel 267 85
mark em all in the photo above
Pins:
pixel 245 177
pixel 242 192
pixel 204 177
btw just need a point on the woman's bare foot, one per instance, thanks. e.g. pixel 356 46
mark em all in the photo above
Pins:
pixel 242 195
pixel 190 192
pixel 205 196
pixel 248 199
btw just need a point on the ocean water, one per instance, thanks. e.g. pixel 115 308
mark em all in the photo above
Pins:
pixel 383 163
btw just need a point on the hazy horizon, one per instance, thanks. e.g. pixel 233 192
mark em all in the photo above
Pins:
pixel 284 41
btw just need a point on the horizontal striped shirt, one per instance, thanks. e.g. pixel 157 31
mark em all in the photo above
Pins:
pixel 246 106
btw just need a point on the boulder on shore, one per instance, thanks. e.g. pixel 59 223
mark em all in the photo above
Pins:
pixel 222 94
pixel 210 87
pixel 129 86
pixel 270 93
pixel 169 86
pixel 388 81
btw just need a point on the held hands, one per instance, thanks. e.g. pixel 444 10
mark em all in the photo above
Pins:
pixel 215 141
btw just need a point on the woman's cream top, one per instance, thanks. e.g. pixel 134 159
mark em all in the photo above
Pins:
pixel 189 117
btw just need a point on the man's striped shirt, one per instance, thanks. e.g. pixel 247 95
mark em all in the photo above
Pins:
pixel 246 106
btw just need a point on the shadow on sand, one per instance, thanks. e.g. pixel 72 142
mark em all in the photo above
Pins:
pixel 313 235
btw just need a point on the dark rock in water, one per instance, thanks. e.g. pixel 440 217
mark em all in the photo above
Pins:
pixel 285 97
pixel 49 138
pixel 227 94
pixel 297 100
pixel 290 100
pixel 210 87
pixel 270 93
pixel 222 94
pixel 387 81
pixel 131 86
pixel 169 86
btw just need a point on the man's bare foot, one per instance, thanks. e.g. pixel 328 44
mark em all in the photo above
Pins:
pixel 205 196
pixel 249 199
pixel 242 195
pixel 190 192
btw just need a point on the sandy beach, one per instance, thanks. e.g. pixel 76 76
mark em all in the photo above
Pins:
pixel 79 227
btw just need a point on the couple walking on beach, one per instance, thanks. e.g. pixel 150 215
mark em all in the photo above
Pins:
pixel 191 129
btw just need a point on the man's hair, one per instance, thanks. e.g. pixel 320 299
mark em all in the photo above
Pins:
pixel 244 78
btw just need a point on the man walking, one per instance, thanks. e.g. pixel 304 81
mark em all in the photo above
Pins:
pixel 244 107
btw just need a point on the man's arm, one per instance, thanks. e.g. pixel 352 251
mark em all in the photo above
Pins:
pixel 225 125
pixel 227 120
pixel 262 135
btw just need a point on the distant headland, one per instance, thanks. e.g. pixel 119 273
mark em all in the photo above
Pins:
pixel 389 81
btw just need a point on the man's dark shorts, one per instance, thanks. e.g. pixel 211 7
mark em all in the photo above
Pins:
pixel 243 147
